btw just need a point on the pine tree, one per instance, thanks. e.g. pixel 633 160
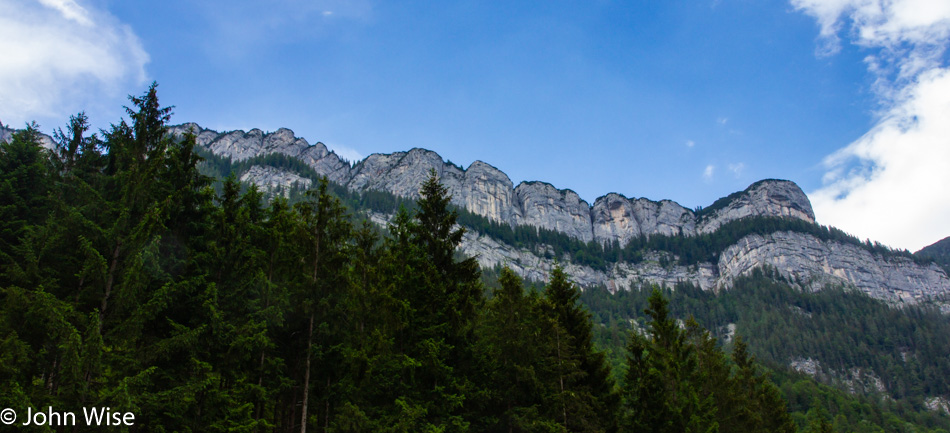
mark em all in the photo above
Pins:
pixel 662 386
pixel 586 398
pixel 326 234
pixel 513 350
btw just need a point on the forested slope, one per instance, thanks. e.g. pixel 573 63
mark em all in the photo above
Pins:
pixel 131 280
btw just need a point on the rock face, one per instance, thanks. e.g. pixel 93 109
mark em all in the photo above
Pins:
pixel 767 197
pixel 271 178
pixel 487 191
pixel 816 264
pixel 547 207
pixel 240 145
pixel 401 173
pixel 617 218
pixel 6 134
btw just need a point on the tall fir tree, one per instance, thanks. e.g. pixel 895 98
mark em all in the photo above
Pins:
pixel 661 388
pixel 587 400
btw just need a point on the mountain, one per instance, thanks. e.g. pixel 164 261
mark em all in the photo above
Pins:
pixel 738 267
pixel 938 251
pixel 805 254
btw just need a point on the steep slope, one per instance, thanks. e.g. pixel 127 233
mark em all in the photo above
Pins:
pixel 939 252
pixel 487 191
pixel 806 260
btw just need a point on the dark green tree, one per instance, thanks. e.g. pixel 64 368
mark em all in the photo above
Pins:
pixel 586 398
pixel 662 387
pixel 325 236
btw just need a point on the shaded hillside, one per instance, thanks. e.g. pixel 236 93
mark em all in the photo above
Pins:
pixel 939 252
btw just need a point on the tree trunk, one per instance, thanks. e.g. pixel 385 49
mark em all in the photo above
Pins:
pixel 109 282
pixel 306 380
pixel 326 412
pixel 560 374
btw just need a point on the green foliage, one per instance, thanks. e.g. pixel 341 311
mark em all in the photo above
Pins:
pixel 906 348
pixel 687 250
pixel 939 252
pixel 130 279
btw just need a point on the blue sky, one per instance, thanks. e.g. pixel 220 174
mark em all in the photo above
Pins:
pixel 685 100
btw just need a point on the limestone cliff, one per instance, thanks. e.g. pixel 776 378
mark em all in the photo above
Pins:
pixel 487 191
pixel 240 145
pixel 815 264
pixel 271 178
pixel 6 134
pixel 764 198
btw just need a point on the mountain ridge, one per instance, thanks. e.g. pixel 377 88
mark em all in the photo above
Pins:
pixel 612 219
pixel 810 262
pixel 487 191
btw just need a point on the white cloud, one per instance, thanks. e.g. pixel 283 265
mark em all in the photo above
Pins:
pixel 891 184
pixel 709 172
pixel 722 120
pixel 737 169
pixel 70 10
pixel 57 55
pixel 690 143
pixel 345 152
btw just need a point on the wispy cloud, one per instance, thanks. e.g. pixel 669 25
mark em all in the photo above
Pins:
pixel 58 54
pixel 690 143
pixel 348 153
pixel 890 184
pixel 242 29
pixel 70 10
pixel 722 120
pixel 737 169
pixel 709 172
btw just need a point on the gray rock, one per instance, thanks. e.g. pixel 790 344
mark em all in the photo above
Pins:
pixel 487 191
pixel 547 207
pixel 402 173
pixel 6 135
pixel 815 264
pixel 764 198
pixel 270 178
pixel 240 145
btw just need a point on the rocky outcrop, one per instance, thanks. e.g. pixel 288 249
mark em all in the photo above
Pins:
pixel 487 191
pixel 938 404
pixel 274 179
pixel 622 276
pixel 764 198
pixel 6 135
pixel 617 218
pixel 815 264
pixel 240 145
pixel 401 173
pixel 544 206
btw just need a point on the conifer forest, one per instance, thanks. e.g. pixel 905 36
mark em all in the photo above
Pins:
pixel 133 280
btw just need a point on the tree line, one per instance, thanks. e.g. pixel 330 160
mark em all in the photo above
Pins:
pixel 128 281
pixel 845 332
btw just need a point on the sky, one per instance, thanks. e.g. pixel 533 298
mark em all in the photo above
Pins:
pixel 682 100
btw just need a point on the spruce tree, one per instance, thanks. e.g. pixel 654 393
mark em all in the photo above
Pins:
pixel 325 236
pixel 586 398
pixel 662 388
pixel 513 351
